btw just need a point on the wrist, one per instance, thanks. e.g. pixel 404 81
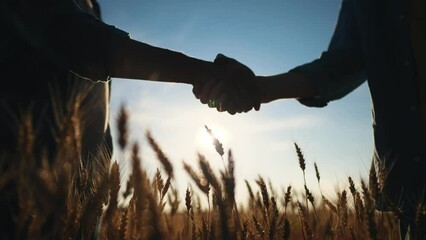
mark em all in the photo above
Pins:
pixel 262 89
pixel 202 71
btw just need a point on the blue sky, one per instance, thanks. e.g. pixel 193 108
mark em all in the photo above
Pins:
pixel 270 37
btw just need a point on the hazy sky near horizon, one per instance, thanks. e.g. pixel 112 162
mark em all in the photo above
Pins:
pixel 270 37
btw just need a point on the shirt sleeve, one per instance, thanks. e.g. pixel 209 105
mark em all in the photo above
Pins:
pixel 65 35
pixel 340 69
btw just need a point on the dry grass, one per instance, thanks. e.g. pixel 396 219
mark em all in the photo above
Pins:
pixel 61 199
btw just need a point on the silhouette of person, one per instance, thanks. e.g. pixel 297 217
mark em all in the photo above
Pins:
pixel 56 56
pixel 383 42
pixel 55 46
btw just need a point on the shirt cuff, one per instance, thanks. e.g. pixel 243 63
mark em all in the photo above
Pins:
pixel 314 71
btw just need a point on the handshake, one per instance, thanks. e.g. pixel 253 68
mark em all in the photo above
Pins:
pixel 232 88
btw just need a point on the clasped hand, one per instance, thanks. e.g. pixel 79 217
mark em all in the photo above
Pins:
pixel 232 87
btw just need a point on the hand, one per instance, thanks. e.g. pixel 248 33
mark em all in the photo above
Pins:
pixel 233 88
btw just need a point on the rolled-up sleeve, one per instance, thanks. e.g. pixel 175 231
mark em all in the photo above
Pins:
pixel 65 36
pixel 340 69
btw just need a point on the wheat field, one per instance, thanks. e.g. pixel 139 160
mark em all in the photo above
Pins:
pixel 66 199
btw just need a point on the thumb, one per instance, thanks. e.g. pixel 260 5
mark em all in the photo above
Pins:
pixel 257 107
pixel 221 59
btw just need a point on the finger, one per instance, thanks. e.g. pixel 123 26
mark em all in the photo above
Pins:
pixel 226 103
pixel 254 89
pixel 222 103
pixel 241 98
pixel 235 101
pixel 220 108
pixel 196 89
pixel 256 101
pixel 239 102
pixel 198 85
pixel 257 107
pixel 249 92
pixel 222 59
pixel 245 99
pixel 217 90
pixel 205 91
pixel 231 111
pixel 212 103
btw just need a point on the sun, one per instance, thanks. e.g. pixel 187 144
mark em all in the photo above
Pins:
pixel 205 141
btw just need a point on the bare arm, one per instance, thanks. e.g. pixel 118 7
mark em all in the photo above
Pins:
pixel 285 85
pixel 137 60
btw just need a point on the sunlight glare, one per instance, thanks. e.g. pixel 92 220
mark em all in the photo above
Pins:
pixel 204 140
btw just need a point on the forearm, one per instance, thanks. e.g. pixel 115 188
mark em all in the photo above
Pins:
pixel 136 60
pixel 283 86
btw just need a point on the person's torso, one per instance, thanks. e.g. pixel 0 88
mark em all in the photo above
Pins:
pixel 384 31
pixel 32 81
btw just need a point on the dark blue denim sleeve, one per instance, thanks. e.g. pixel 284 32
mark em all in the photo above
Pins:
pixel 64 34
pixel 340 69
